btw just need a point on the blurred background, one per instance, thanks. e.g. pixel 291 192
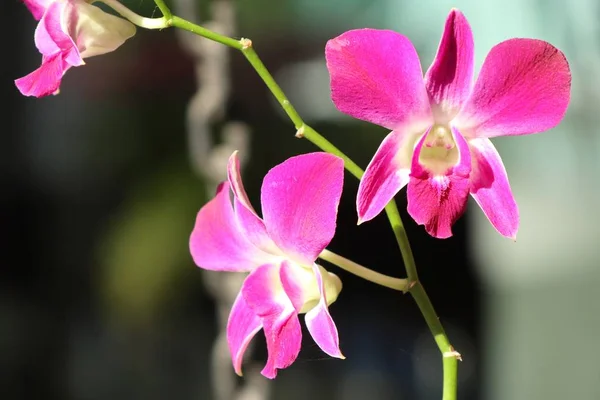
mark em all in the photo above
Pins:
pixel 99 297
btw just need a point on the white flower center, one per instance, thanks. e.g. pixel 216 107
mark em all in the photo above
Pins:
pixel 439 152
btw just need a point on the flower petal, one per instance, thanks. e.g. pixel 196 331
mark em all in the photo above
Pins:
pixel 37 7
pixel 43 81
pixel 51 39
pixel 448 80
pixel 376 76
pixel 235 180
pixel 386 174
pixel 284 338
pixel 217 242
pixel 320 324
pixel 299 200
pixel 264 293
pixel 490 188
pixel 242 325
pixel 95 31
pixel 299 284
pixel 523 87
pixel 252 225
pixel 437 201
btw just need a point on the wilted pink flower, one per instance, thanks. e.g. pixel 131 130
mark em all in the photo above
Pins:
pixel 441 124
pixel 299 200
pixel 69 31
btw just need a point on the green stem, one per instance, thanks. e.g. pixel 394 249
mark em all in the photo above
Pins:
pixel 318 140
pixel 363 272
pixel 302 129
pixel 450 367
pixel 201 31
pixel 166 12
pixel 148 23
pixel 267 78
pixel 450 356
pixel 391 209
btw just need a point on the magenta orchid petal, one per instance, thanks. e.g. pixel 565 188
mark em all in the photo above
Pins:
pixel 37 7
pixel 253 228
pixel 448 80
pixel 265 294
pixel 299 200
pixel 294 283
pixel 438 200
pixel 43 81
pixel 284 338
pixel 523 87
pixel 46 31
pixel 320 324
pixel 235 180
pixel 490 188
pixel 51 39
pixel 216 242
pixel 69 31
pixel 376 76
pixel 386 174
pixel 242 325
pixel 250 223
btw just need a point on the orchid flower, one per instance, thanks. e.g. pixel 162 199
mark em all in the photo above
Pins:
pixel 299 201
pixel 69 31
pixel 441 123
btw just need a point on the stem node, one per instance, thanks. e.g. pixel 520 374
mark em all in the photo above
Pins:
pixel 452 354
pixel 246 43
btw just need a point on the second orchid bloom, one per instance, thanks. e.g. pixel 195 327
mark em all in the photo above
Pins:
pixel 299 200
pixel 441 123
pixel 69 31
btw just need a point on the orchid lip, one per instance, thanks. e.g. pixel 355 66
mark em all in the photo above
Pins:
pixel 440 152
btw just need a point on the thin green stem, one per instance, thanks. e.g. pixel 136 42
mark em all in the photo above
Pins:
pixel 148 23
pixel 364 272
pixel 181 23
pixel 449 355
pixel 166 12
pixel 391 209
pixel 302 129
pixel 318 140
pixel 267 78
pixel 450 367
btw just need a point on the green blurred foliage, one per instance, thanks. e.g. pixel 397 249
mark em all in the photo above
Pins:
pixel 144 255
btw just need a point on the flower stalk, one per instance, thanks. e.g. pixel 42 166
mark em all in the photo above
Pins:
pixel 136 19
pixel 415 288
pixel 166 12
pixel 364 272
pixel 181 23
pixel 449 355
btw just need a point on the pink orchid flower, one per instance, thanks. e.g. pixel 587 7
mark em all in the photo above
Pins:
pixel 299 201
pixel 69 31
pixel 441 124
